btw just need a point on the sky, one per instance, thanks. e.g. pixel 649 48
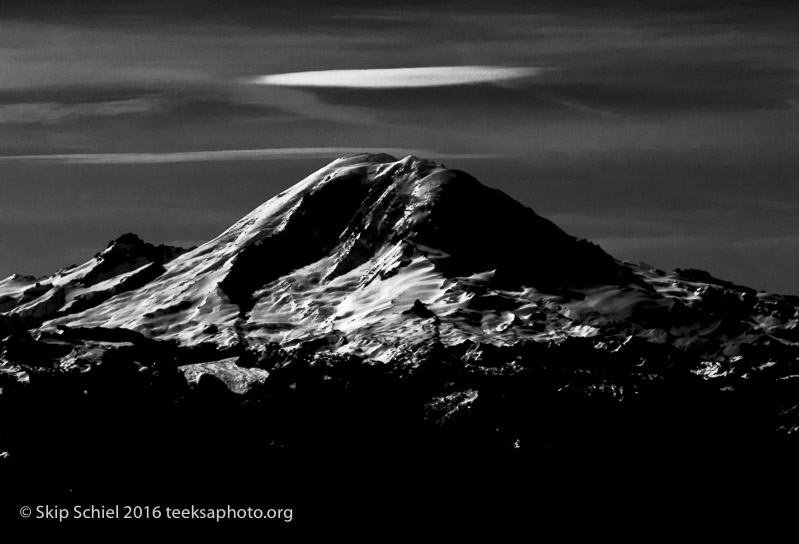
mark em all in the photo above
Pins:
pixel 664 132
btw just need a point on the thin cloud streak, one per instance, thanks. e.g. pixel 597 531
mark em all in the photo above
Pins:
pixel 53 112
pixel 397 78
pixel 236 155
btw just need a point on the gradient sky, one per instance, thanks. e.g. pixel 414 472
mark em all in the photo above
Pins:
pixel 663 132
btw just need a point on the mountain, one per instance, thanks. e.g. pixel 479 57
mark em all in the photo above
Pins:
pixel 372 257
pixel 127 263
pixel 391 307
pixel 347 249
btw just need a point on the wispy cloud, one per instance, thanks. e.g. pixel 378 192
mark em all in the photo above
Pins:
pixel 236 155
pixel 56 112
pixel 397 78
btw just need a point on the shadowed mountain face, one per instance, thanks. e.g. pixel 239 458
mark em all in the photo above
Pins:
pixel 389 306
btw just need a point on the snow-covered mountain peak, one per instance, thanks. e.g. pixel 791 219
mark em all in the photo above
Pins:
pixel 374 256
pixel 366 222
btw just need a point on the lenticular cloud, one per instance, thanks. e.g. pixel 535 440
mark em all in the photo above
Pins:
pixel 397 78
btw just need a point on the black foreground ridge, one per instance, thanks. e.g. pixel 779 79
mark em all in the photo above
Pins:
pixel 382 320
